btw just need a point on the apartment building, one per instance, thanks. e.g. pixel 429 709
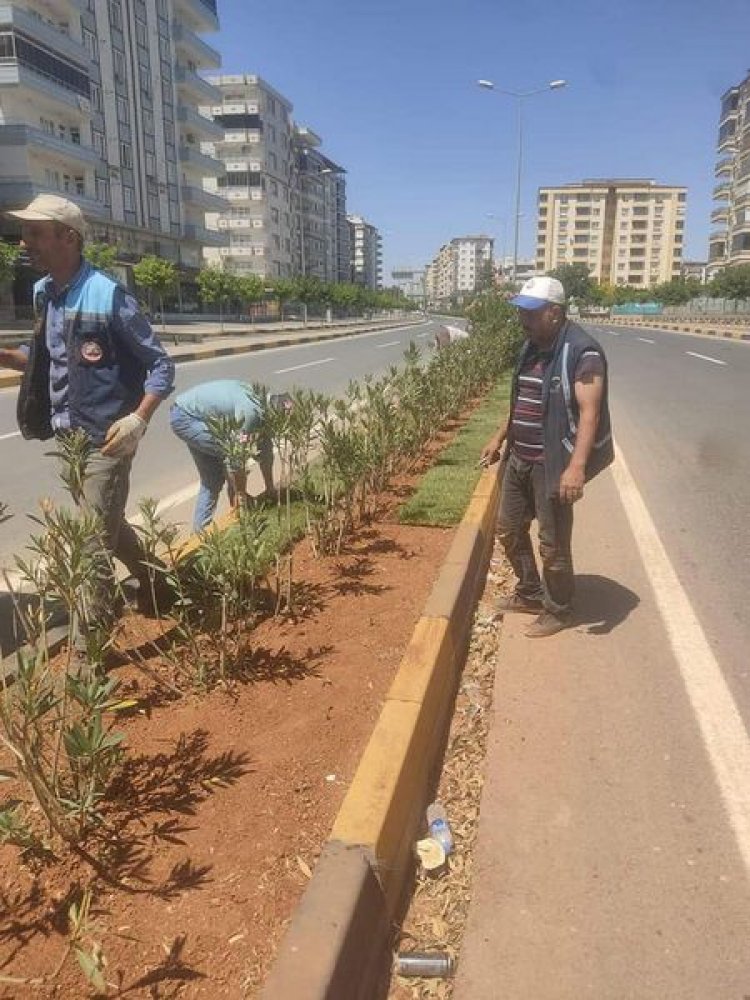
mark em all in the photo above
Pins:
pixel 98 102
pixel 627 232
pixel 729 240
pixel 322 239
pixel 366 253
pixel 459 265
pixel 257 153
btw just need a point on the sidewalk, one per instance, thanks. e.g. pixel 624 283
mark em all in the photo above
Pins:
pixel 605 867
pixel 255 338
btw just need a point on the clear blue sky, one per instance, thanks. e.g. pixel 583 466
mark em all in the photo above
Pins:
pixel 390 87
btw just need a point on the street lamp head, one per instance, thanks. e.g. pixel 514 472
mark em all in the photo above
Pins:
pixel 487 84
pixel 557 84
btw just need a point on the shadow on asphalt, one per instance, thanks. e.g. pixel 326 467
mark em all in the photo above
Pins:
pixel 602 604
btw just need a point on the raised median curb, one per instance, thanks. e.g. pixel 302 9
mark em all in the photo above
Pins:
pixel 337 944
pixel 684 327
pixel 10 379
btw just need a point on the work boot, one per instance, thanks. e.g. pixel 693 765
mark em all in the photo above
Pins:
pixel 516 602
pixel 547 624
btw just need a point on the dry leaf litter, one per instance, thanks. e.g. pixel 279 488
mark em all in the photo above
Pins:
pixel 439 907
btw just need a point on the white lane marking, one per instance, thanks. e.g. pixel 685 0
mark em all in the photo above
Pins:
pixel 705 357
pixel 391 343
pixel 13 434
pixel 724 734
pixel 646 340
pixel 307 364
pixel 173 500
pixel 613 333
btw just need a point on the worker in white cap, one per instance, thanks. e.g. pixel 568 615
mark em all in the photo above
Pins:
pixel 557 436
pixel 93 363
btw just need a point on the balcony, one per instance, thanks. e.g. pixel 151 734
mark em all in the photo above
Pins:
pixel 193 195
pixel 721 190
pixel 194 88
pixel 724 167
pixel 37 140
pixel 206 128
pixel 47 87
pixel 200 15
pixel 206 237
pixel 194 48
pixel 720 214
pixel 15 193
pixel 192 158
pixel 44 33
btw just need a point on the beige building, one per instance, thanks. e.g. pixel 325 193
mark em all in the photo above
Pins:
pixel 627 232
pixel 99 102
pixel 458 266
pixel 729 241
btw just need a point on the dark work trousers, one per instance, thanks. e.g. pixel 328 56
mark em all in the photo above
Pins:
pixel 105 491
pixel 524 497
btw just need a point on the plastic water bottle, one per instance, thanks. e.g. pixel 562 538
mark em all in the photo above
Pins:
pixel 437 823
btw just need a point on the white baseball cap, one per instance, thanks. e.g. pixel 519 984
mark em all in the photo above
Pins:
pixel 53 208
pixel 538 292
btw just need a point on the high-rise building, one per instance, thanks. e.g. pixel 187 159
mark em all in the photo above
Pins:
pixel 285 209
pixel 460 266
pixel 366 253
pixel 256 150
pixel 627 232
pixel 323 233
pixel 729 241
pixel 98 101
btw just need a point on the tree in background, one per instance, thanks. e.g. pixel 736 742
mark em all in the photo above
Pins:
pixel 9 254
pixel 676 292
pixel 576 281
pixel 217 287
pixel 101 256
pixel 250 289
pixel 158 276
pixel 731 283
pixel 486 277
pixel 283 290
pixel 310 291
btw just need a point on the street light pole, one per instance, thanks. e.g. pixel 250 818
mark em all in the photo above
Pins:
pixel 520 97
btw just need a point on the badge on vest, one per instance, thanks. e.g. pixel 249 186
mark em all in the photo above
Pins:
pixel 91 351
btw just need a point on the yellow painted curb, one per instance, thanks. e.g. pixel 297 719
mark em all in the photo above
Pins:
pixel 384 807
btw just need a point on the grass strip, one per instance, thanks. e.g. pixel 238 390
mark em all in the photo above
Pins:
pixel 445 490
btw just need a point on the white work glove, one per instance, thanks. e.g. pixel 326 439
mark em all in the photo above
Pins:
pixel 123 436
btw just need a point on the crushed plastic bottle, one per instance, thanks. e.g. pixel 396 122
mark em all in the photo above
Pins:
pixel 437 824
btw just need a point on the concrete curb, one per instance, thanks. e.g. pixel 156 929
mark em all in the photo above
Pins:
pixel 704 331
pixel 335 947
pixel 7 381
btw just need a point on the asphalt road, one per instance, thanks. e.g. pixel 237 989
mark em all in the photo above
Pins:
pixel 681 410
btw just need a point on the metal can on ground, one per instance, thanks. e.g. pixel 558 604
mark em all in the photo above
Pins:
pixel 425 964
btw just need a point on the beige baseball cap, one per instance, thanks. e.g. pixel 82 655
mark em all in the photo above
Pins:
pixel 538 292
pixel 53 208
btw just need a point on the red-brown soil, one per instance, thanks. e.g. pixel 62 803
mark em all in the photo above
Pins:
pixel 224 800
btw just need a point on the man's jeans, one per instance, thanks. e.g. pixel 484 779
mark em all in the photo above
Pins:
pixel 208 459
pixel 524 497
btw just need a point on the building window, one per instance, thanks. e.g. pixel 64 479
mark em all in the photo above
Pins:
pixel 123 111
pixel 102 191
pixel 90 44
pixel 128 199
pixel 96 97
pixel 126 154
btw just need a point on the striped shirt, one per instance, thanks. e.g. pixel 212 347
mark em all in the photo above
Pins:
pixel 527 415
